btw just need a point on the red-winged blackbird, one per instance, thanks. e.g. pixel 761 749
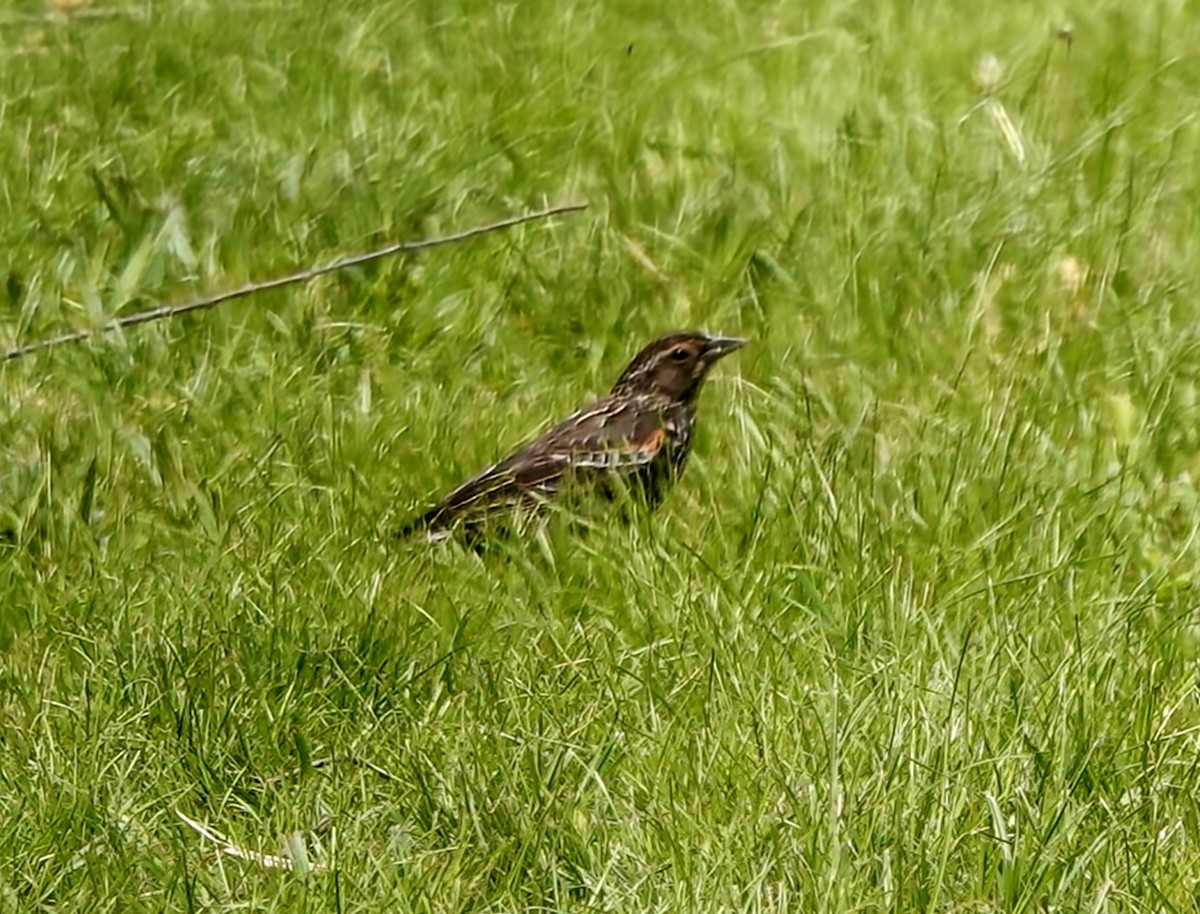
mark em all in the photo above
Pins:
pixel 636 438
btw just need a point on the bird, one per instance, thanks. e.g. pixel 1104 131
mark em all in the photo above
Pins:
pixel 634 439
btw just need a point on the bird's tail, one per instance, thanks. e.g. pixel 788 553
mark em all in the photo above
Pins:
pixel 414 525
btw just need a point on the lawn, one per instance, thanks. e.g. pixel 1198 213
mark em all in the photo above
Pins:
pixel 917 630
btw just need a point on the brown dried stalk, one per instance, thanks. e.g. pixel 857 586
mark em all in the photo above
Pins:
pixel 203 304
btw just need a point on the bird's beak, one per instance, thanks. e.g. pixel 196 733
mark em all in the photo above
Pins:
pixel 718 346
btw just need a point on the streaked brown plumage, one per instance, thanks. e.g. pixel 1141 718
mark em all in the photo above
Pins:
pixel 637 437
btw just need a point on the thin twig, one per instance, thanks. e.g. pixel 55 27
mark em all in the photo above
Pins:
pixel 203 304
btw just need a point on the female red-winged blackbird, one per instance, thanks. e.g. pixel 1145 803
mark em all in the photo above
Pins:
pixel 636 438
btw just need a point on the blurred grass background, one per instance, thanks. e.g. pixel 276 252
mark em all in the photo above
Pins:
pixel 917 631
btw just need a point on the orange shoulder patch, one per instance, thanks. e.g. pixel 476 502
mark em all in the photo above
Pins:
pixel 655 442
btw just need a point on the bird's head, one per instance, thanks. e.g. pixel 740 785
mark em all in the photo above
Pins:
pixel 675 365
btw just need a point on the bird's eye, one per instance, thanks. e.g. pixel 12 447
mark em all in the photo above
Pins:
pixel 679 355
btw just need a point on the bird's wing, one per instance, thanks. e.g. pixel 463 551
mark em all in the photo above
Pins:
pixel 609 435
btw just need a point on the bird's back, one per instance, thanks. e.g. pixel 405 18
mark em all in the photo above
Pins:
pixel 621 442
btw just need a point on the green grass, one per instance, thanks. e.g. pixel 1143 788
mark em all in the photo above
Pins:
pixel 917 631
